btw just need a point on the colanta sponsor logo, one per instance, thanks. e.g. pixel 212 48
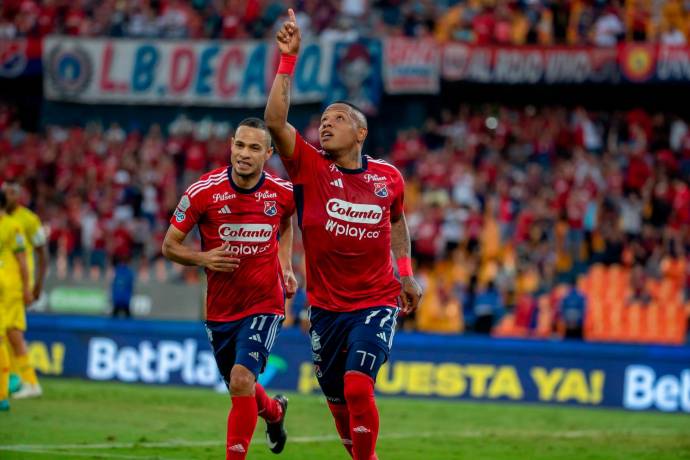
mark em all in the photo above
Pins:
pixel 246 233
pixel 354 212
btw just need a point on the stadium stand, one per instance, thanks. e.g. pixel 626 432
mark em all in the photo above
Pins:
pixel 544 22
pixel 507 206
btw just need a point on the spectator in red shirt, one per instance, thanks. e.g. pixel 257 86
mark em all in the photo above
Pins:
pixel 484 25
pixel 638 172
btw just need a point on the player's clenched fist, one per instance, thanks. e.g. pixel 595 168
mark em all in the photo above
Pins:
pixel 220 260
pixel 290 283
pixel 410 294
pixel 288 36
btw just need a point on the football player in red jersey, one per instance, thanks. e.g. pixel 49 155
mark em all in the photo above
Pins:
pixel 350 209
pixel 244 217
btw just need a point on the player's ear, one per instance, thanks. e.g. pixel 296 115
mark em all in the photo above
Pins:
pixel 269 152
pixel 362 134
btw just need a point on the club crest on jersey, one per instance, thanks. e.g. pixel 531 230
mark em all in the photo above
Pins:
pixel 270 208
pixel 380 189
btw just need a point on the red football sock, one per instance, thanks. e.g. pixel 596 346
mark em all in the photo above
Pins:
pixel 269 409
pixel 364 416
pixel 241 424
pixel 342 423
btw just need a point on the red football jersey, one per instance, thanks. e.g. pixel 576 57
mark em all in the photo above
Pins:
pixel 345 217
pixel 249 219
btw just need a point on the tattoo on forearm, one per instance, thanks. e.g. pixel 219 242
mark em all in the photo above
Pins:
pixel 285 89
pixel 400 239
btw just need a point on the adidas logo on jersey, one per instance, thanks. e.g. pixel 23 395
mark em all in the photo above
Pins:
pixel 382 335
pixel 255 355
pixel 338 182
pixel 255 337
pixel 224 210
pixel 237 448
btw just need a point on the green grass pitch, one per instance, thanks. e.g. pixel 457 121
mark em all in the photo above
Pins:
pixel 77 419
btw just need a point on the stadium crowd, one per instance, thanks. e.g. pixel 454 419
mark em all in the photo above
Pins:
pixel 514 22
pixel 504 204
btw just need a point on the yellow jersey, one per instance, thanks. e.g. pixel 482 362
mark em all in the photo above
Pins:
pixel 11 242
pixel 34 235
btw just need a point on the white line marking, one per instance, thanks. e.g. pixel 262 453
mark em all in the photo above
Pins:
pixel 90 454
pixel 172 443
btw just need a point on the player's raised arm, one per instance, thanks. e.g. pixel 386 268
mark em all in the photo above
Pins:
pixel 285 256
pixel 275 115
pixel 411 293
pixel 217 259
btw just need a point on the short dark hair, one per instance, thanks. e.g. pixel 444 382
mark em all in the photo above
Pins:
pixel 258 123
pixel 3 200
pixel 355 108
pixel 253 122
pixel 350 104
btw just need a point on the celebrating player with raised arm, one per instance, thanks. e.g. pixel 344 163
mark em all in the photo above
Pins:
pixel 244 217
pixel 350 209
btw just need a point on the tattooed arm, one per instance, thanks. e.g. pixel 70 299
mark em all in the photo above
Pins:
pixel 275 115
pixel 410 293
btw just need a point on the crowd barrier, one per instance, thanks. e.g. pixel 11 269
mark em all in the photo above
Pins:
pixel 240 73
pixel 633 377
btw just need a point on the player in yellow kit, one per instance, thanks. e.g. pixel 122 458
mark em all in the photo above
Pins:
pixel 14 281
pixel 15 316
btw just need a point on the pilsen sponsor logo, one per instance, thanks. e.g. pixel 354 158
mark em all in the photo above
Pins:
pixel 354 212
pixel 246 233
pixel 374 178
pixel 265 195
pixel 225 196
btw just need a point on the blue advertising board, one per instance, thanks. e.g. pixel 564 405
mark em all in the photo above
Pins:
pixel 633 377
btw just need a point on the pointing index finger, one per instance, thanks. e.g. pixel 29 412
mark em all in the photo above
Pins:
pixel 291 15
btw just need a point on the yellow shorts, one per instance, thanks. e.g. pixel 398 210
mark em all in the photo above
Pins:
pixel 13 313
